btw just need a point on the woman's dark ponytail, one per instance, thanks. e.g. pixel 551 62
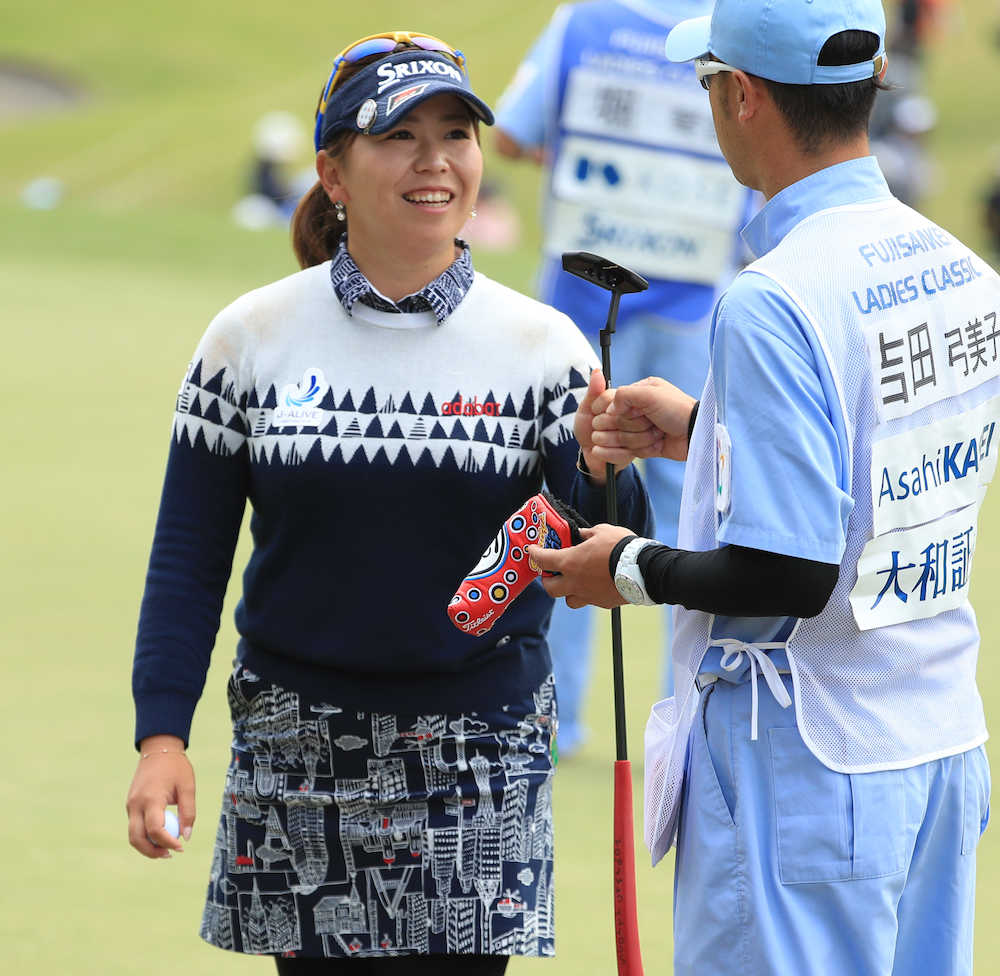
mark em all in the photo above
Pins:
pixel 316 231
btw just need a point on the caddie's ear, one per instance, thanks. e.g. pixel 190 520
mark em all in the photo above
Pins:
pixel 748 92
pixel 328 169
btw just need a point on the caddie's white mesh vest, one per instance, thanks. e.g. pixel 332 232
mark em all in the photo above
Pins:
pixel 884 676
pixel 670 720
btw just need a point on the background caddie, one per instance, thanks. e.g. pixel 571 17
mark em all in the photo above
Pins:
pixel 836 467
pixel 634 173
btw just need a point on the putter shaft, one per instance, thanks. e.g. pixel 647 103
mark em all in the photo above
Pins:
pixel 611 504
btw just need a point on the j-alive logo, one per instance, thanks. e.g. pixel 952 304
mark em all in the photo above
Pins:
pixel 299 403
pixel 470 408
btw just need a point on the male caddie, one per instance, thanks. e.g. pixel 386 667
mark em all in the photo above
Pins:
pixel 821 765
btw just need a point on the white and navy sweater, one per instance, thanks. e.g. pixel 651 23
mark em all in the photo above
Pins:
pixel 380 453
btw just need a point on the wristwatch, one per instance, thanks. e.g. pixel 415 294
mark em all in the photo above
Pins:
pixel 628 576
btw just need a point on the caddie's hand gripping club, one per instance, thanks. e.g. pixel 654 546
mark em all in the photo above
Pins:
pixel 619 281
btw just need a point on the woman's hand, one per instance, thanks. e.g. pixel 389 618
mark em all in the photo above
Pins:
pixel 584 574
pixel 164 777
pixel 596 401
pixel 642 420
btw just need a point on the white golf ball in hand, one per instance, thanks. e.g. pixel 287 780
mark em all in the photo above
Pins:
pixel 170 824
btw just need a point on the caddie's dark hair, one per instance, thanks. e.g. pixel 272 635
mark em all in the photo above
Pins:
pixel 823 114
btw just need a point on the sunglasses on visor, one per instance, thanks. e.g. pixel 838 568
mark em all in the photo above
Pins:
pixel 383 44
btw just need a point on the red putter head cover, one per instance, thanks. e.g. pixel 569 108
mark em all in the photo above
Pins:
pixel 504 569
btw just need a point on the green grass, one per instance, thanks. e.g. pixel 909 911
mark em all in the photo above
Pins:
pixel 102 303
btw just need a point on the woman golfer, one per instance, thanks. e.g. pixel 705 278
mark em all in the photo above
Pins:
pixel 383 410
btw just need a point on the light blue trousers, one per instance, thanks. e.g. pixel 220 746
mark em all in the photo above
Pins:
pixel 641 347
pixel 786 867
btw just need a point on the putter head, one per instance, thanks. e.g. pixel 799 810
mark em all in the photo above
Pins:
pixel 602 272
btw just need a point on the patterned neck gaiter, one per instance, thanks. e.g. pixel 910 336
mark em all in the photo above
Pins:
pixel 442 296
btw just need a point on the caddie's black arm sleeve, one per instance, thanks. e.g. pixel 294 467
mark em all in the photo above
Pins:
pixel 737 582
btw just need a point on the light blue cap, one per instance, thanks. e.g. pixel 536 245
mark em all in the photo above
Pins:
pixel 781 39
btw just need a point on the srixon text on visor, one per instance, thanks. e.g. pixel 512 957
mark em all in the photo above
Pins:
pixel 391 73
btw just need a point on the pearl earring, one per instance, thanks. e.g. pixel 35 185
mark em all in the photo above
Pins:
pixel 339 208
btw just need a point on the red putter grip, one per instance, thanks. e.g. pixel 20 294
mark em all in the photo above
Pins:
pixel 626 921
pixel 504 569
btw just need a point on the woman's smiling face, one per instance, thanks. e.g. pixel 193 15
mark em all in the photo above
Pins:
pixel 412 186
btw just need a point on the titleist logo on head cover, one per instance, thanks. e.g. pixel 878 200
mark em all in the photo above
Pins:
pixel 391 73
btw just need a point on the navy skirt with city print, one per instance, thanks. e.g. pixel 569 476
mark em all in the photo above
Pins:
pixel 347 833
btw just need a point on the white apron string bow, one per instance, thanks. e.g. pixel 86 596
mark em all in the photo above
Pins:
pixel 732 659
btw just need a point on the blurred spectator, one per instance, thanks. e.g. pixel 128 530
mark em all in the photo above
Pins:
pixel 916 21
pixel 905 115
pixel 279 139
pixel 494 225
pixel 901 147
pixel 991 215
